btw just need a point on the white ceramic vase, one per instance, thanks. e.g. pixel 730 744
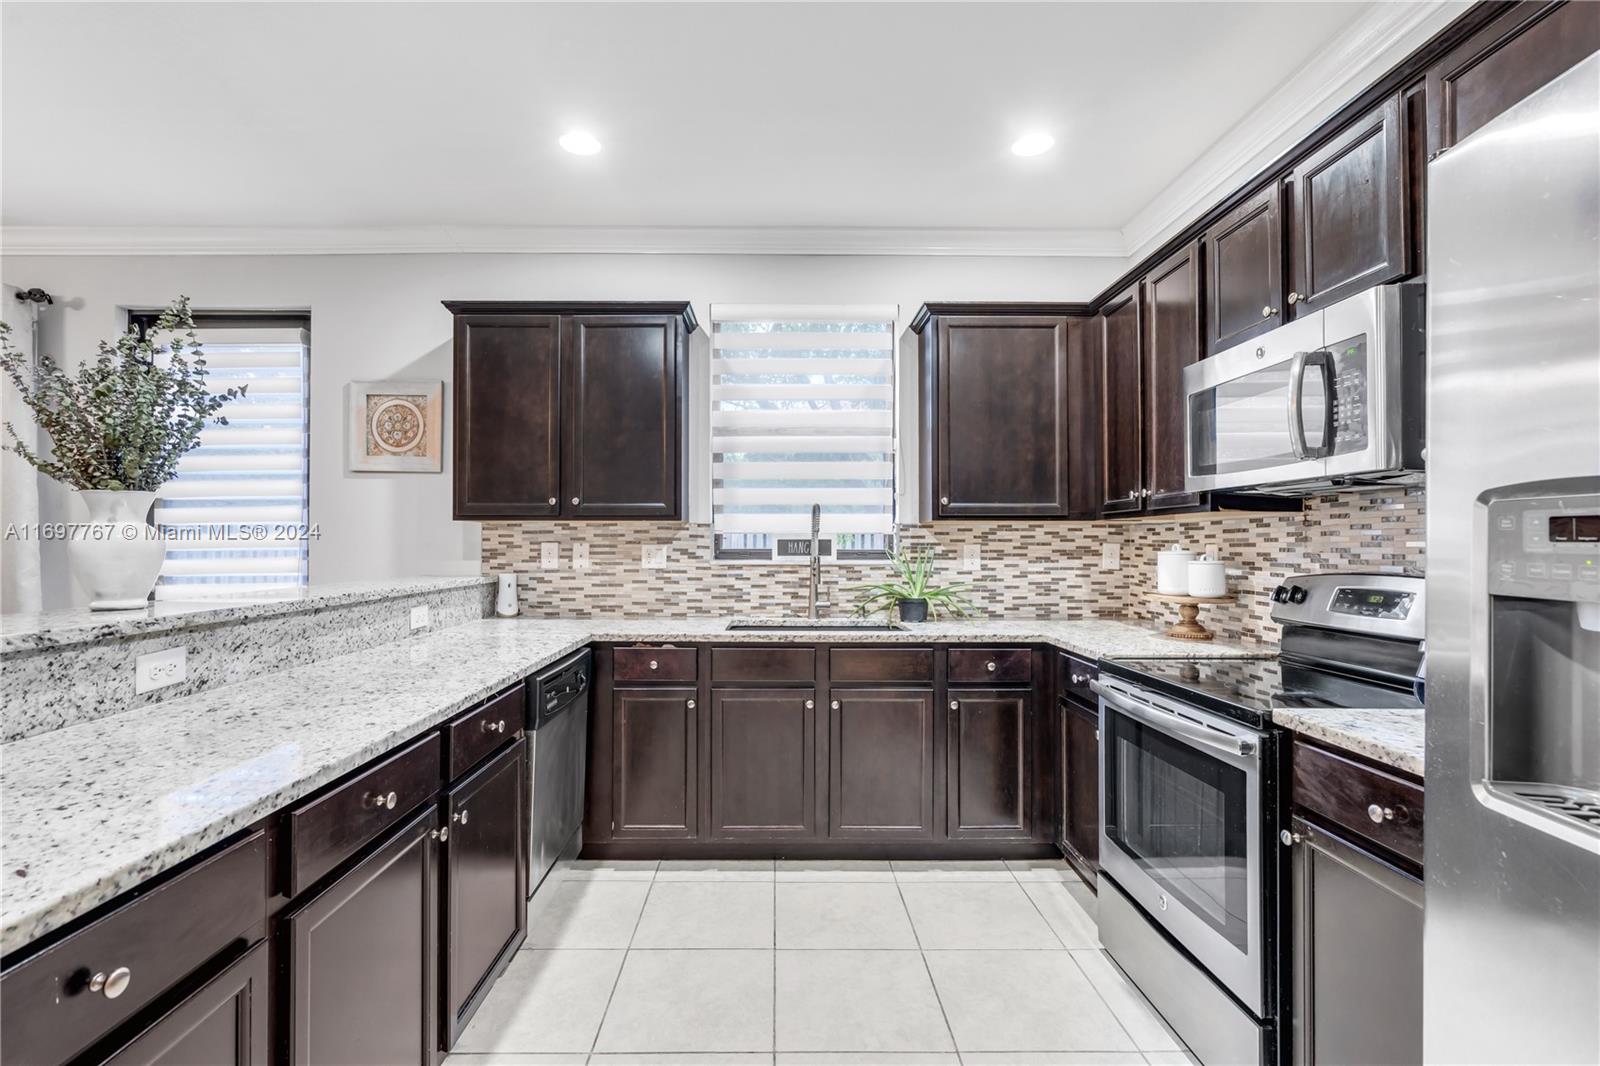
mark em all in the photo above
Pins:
pixel 116 555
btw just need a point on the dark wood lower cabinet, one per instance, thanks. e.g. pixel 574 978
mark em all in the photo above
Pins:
pixel 222 1023
pixel 989 773
pixel 362 958
pixel 1080 790
pixel 485 882
pixel 763 763
pixel 880 764
pixel 655 763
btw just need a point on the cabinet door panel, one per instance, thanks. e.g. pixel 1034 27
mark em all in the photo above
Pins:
pixel 763 763
pixel 1351 212
pixel 655 763
pixel 1244 271
pixel 486 876
pixel 1084 397
pixel 880 763
pixel 507 416
pixel 1083 784
pixel 988 772
pixel 1002 419
pixel 363 955
pixel 622 416
pixel 223 1023
pixel 1172 342
pixel 1121 463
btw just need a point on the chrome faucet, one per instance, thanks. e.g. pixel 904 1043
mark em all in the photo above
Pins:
pixel 815 562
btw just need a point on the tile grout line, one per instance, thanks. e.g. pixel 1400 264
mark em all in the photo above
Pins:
pixel 922 953
pixel 1035 905
pixel 621 967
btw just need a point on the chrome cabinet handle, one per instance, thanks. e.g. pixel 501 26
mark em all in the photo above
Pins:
pixel 811 704
pixel 379 801
pixel 944 501
pixel 955 705
pixel 654 664
pixel 113 984
pixel 495 727
pixel 1289 839
pixel 552 501
pixel 1379 813
pixel 689 704
pixel 575 501
pixel 1294 297
pixel 442 834
pixel 1268 312
pixel 459 816
pixel 834 705
pixel 989 666
pixel 1080 679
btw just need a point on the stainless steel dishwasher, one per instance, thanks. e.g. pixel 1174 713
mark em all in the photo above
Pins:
pixel 558 729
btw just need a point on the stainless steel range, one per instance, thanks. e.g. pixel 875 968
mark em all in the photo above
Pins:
pixel 1192 782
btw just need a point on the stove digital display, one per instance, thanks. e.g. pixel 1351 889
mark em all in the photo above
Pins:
pixel 1372 603
pixel 1579 528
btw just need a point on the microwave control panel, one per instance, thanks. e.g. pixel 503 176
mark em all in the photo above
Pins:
pixel 1545 547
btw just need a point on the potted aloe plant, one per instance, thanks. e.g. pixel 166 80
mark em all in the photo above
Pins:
pixel 118 425
pixel 910 590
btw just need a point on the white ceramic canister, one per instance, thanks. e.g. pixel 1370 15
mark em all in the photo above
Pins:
pixel 1207 577
pixel 1172 570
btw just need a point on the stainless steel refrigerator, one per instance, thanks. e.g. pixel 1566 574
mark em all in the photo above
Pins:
pixel 1512 829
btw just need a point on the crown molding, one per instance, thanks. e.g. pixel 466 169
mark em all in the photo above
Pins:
pixel 662 240
pixel 1358 57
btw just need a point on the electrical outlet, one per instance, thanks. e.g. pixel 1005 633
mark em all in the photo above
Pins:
pixel 549 556
pixel 1111 556
pixel 420 617
pixel 653 558
pixel 160 669
pixel 580 555
pixel 971 557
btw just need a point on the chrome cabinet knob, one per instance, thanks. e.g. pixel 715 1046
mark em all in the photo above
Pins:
pixel 955 705
pixel 1289 839
pixel 552 501
pixel 459 816
pixel 811 704
pixel 113 984
pixel 689 704
pixel 1294 297
pixel 379 801
pixel 575 501
pixel 1266 312
pixel 654 664
pixel 834 705
pixel 944 501
pixel 442 834
pixel 1379 813
pixel 1080 679
pixel 989 666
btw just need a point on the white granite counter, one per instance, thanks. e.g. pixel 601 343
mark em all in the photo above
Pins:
pixel 1390 735
pixel 93 809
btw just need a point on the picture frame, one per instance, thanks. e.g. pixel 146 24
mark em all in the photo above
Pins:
pixel 396 427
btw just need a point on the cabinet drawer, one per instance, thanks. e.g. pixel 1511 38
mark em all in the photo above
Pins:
pixel 1348 794
pixel 1073 676
pixel 880 664
pixel 987 666
pixel 763 664
pixel 159 938
pixel 474 735
pixel 654 664
pixel 329 829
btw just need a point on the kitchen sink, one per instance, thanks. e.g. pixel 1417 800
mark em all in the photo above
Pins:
pixel 822 624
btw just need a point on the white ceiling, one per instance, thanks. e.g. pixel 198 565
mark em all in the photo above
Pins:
pixel 725 115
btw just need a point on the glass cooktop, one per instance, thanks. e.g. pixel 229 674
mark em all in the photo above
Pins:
pixel 1257 687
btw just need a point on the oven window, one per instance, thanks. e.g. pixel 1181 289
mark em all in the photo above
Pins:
pixel 1180 815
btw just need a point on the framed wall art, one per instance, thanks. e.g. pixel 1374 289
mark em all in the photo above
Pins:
pixel 396 426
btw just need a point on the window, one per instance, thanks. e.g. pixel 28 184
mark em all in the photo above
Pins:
pixel 236 512
pixel 802 413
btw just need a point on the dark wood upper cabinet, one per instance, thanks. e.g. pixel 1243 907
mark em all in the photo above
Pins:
pixel 1244 271
pixel 1351 212
pixel 1084 339
pixel 655 763
pixel 222 1023
pixel 622 417
pixel 570 410
pixel 989 768
pixel 485 882
pixel 363 957
pixel 1519 52
pixel 763 763
pixel 1121 462
pixel 507 416
pixel 998 391
pixel 880 763
pixel 1172 342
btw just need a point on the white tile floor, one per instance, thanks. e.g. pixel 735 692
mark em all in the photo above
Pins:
pixel 820 963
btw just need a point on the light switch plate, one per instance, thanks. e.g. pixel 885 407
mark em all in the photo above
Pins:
pixel 160 669
pixel 653 558
pixel 1111 556
pixel 580 555
pixel 971 557
pixel 420 617
pixel 549 555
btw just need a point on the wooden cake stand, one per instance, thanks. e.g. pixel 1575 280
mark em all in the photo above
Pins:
pixel 1188 626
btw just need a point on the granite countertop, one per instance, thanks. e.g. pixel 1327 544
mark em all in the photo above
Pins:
pixel 94 809
pixel 79 625
pixel 1390 735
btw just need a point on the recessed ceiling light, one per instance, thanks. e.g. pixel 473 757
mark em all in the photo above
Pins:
pixel 580 142
pixel 1035 143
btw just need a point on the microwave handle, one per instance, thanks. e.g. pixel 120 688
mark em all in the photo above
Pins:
pixel 1323 360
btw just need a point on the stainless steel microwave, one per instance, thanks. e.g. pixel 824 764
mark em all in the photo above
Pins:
pixel 1334 398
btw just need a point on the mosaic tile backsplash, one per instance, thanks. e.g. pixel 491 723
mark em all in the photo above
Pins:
pixel 1027 569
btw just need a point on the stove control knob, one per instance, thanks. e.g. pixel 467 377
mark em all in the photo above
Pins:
pixel 1280 594
pixel 1297 594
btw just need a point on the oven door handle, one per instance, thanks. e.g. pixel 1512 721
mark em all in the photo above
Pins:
pixel 1234 747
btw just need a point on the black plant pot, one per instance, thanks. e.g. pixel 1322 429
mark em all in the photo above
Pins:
pixel 913 610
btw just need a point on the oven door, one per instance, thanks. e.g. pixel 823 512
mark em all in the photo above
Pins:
pixel 1181 827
